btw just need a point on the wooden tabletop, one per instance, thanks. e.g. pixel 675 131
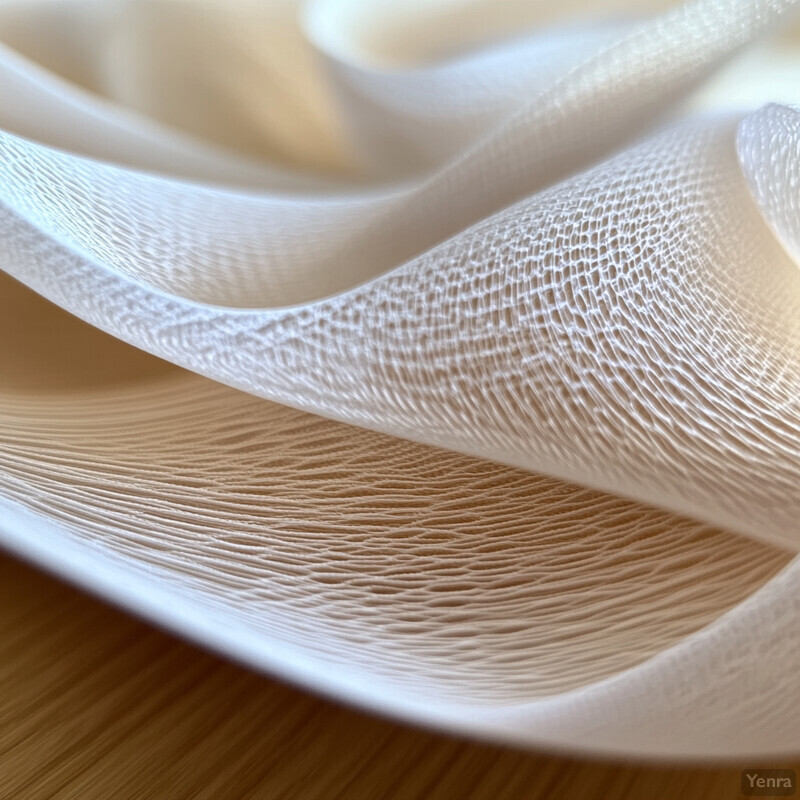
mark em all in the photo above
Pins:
pixel 96 705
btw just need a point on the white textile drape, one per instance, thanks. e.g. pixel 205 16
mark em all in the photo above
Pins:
pixel 470 389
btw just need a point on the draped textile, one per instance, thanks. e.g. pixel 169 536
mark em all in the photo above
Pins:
pixel 454 353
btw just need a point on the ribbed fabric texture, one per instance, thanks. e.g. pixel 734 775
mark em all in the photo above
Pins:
pixel 494 320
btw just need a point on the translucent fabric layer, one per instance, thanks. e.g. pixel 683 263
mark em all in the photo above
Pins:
pixel 465 368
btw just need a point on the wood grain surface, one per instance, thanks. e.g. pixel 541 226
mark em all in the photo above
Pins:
pixel 96 705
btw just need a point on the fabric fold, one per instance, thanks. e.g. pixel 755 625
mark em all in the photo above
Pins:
pixel 495 420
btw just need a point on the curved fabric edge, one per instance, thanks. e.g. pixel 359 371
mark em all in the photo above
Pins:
pixel 289 356
pixel 622 716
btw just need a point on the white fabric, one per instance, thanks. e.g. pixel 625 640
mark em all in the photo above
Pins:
pixel 513 299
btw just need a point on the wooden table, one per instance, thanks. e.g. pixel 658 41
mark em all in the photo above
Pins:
pixel 95 705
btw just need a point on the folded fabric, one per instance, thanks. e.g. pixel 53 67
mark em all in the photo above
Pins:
pixel 489 322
